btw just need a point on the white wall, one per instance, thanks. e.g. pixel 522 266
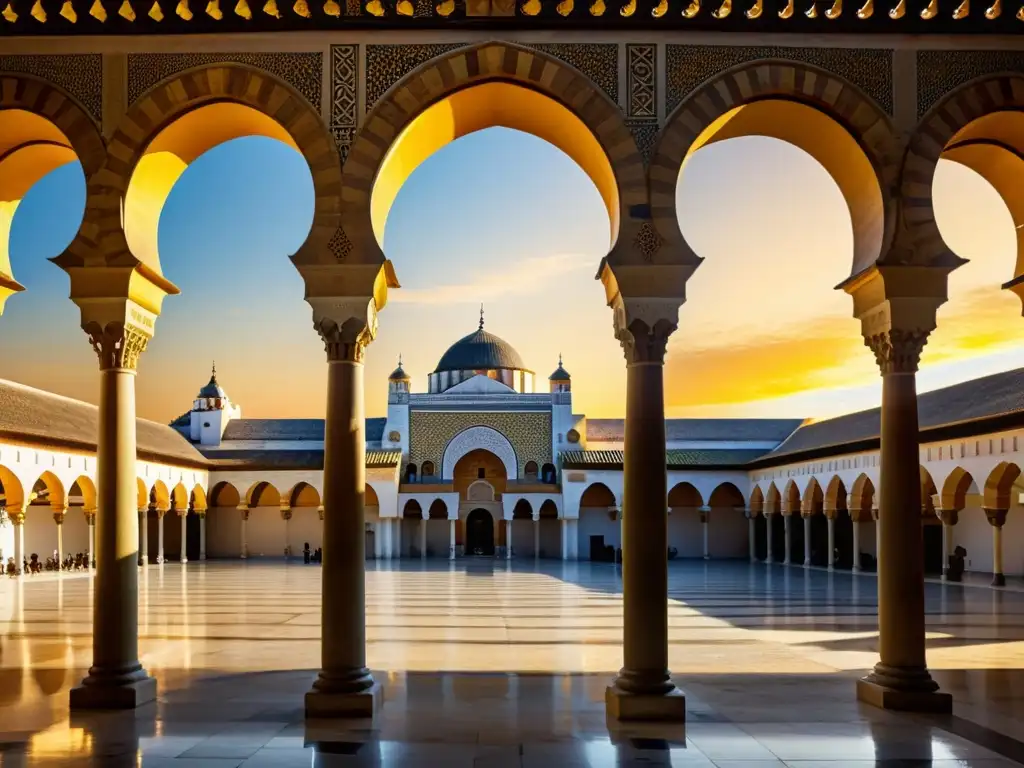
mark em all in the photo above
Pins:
pixel 727 534
pixel 223 533
pixel 594 522
pixel 265 532
pixel 551 538
pixel 305 527
pixel 685 532
pixel 522 538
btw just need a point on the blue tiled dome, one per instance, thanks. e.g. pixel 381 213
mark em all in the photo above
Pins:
pixel 480 351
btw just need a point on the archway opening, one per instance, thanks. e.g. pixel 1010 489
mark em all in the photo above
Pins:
pixel 480 533
pixel 826 217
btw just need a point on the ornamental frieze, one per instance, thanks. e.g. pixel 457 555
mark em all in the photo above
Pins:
pixel 431 431
pixel 81 75
pixel 939 72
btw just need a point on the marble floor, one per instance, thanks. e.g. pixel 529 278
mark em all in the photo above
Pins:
pixel 494 664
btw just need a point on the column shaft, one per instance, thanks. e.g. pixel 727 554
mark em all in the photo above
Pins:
pixel 398 538
pixel 245 543
pixel 947 549
pixel 807 542
pixel 536 538
pixel 202 537
pixel 60 544
pixel 787 529
pixel 144 535
pixel 768 527
pixel 856 544
pixel 752 539
pixel 508 539
pixel 183 555
pixel 19 545
pixel 91 554
pixel 423 538
pixel 704 521
pixel 831 542
pixel 160 535
pixel 451 539
pixel 116 678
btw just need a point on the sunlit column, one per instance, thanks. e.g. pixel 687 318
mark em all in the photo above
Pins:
pixel 751 536
pixel 344 687
pixel 144 535
pixel 949 518
pixel 768 519
pixel 508 539
pixel 183 516
pixel 286 516
pixel 830 517
pixel 423 534
pixel 536 535
pixel 160 513
pixel 90 521
pixel 16 514
pixel 897 307
pixel 997 519
pixel 807 541
pixel 60 511
pixel 451 539
pixel 644 689
pixel 243 511
pixel 116 679
pixel 201 512
pixel 705 514
pixel 788 531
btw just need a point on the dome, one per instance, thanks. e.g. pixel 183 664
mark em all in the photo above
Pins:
pixel 399 373
pixel 560 373
pixel 212 388
pixel 480 351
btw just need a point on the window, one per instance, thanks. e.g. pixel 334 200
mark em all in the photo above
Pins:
pixel 480 473
pixel 427 470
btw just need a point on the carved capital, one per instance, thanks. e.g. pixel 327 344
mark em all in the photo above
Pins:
pixel 244 510
pixel 996 517
pixel 90 516
pixel 320 512
pixel 182 512
pixel 286 513
pixel 59 515
pixel 348 329
pixel 896 350
pixel 200 513
pixel 948 516
pixel 645 301
pixel 161 511
pixel 118 345
pixel 16 515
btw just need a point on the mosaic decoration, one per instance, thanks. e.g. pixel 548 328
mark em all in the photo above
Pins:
pixel 939 72
pixel 688 66
pixel 645 133
pixel 598 61
pixel 647 241
pixel 387 64
pixel 344 103
pixel 431 431
pixel 81 75
pixel 303 71
pixel 339 245
pixel 641 81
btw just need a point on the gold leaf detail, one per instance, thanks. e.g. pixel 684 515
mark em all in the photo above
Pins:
pixel 375 8
pixel 812 12
pixel 126 11
pixel 302 9
pixel 242 9
pixel 867 10
pixel 931 10
pixel 97 11
pixel 723 11
pixel 598 8
pixel 404 8
pixel 899 11
pixel 183 11
pixel 962 10
pixel 531 7
pixel 835 11
pixel 628 9
pixel 994 11
pixel 331 8
pixel 68 12
pixel 213 10
pixel 38 12
pixel 565 7
pixel 270 8
pixel 787 12
pixel 660 9
pixel 692 9
pixel 446 8
pixel 754 12
pixel 9 14
pixel 156 13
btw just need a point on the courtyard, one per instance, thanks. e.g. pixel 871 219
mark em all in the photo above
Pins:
pixel 491 663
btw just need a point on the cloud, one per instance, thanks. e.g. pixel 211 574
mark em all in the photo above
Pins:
pixel 517 277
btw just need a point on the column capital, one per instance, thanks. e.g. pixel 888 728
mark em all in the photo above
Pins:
pixel 244 509
pixel 90 516
pixel 320 512
pixel 59 514
pixel 645 300
pixel 348 330
pixel 161 511
pixel 118 345
pixel 16 514
pixel 286 513
pixel 183 512
pixel 535 516
pixel 996 517
pixel 199 512
pixel 425 514
pixel 948 516
pixel 829 512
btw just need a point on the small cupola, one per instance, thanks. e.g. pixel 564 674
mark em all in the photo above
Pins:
pixel 398 381
pixel 560 379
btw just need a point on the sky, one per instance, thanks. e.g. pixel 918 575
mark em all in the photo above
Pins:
pixel 504 219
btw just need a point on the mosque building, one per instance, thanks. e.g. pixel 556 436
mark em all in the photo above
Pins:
pixel 491 462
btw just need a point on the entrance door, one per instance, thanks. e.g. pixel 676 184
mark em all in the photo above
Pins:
pixel 480 533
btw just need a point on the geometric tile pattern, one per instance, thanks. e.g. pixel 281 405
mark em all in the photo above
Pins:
pixel 431 431
pixel 81 75
pixel 939 72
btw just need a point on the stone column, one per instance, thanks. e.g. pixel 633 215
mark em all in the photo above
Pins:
pixel 144 535
pixel 644 689
pixel 286 515
pixel 17 517
pixel 997 519
pixel 705 513
pixel 897 306
pixel 564 541
pixel 243 510
pixel 751 536
pixel 423 534
pixel 183 555
pixel 788 531
pixel 202 533
pixel 344 687
pixel 949 518
pixel 59 513
pixel 856 541
pixel 768 518
pixel 807 540
pixel 116 679
pixel 160 533
pixel 830 516
pixel 378 540
pixel 508 539
pixel 90 521
pixel 451 539
pixel 536 535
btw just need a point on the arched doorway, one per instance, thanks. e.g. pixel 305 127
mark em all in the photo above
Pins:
pixel 480 533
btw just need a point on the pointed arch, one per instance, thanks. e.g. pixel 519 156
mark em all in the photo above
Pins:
pixel 835 495
pixel 224 494
pixel 412 509
pixel 14 493
pixel 862 495
pixel 522 510
pixel 791 499
pixel 160 496
pixel 756 501
pixel 438 510
pixel 999 484
pixel 597 495
pixel 726 495
pixel 684 494
pixel 179 497
pixel 813 499
pixel 262 494
pixel 302 494
pixel 928 492
pixel 87 490
pixel 955 488
pixel 197 498
pixel 49 486
pixel 772 500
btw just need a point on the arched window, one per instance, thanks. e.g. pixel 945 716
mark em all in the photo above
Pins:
pixel 530 471
pixel 548 474
pixel 427 470
pixel 410 473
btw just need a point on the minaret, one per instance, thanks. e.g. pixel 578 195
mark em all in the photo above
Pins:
pixel 560 384
pixel 396 430
pixel 212 409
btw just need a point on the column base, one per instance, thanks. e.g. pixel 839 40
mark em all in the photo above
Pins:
pixel 645 707
pixel 127 696
pixel 931 702
pixel 364 704
pixel 998 580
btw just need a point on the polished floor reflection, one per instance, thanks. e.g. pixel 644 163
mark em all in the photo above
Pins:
pixel 494 665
